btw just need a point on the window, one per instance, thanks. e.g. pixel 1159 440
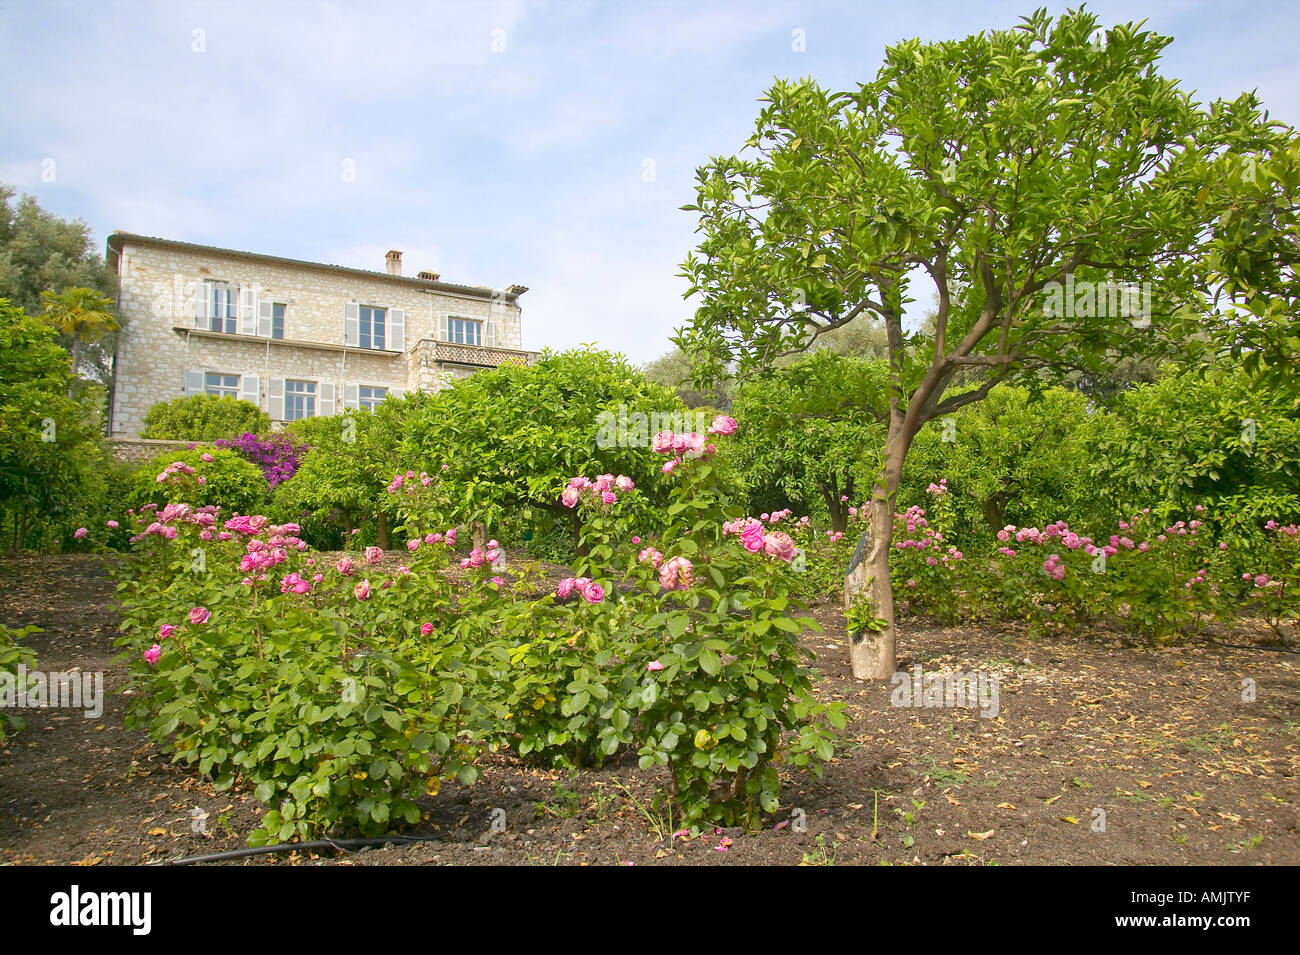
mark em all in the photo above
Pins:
pixel 277 320
pixel 224 305
pixel 370 398
pixel 221 385
pixel 299 400
pixel 464 331
pixel 372 327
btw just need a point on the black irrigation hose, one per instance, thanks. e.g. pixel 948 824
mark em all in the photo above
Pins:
pixel 340 845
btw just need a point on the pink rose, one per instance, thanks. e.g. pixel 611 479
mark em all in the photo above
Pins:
pixel 723 424
pixel 294 583
pixel 344 566
pixel 663 442
pixel 112 525
pixel 624 483
pixel 752 538
pixel 654 666
pixel 426 629
pixel 609 497
pixel 166 630
pixel 779 545
pixel 412 544
pixel 362 590
pixel 152 654
pixel 200 616
pixel 566 587
pixel 80 533
pixel 206 458
pixel 374 555
pixel 652 555
pixel 570 497
pixel 676 574
pixel 594 593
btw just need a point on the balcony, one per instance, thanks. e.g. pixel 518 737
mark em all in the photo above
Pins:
pixel 475 356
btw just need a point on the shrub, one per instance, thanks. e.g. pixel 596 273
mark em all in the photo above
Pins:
pixel 203 418
pixel 329 702
pixel 225 480
pixel 12 656
pixel 340 480
pixel 278 455
pixel 342 698
pixel 505 440
pixel 52 464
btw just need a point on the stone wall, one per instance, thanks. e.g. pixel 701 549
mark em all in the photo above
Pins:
pixel 159 344
pixel 140 450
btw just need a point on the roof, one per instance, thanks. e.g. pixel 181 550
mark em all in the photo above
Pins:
pixel 117 239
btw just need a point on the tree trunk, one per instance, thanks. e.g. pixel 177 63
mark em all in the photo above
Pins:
pixel 385 538
pixel 479 537
pixel 839 518
pixel 872 653
pixel 837 510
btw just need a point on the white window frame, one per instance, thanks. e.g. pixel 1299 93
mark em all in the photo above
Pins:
pixel 229 323
pixel 366 328
pixel 453 321
pixel 309 398
pixel 371 402
pixel 222 390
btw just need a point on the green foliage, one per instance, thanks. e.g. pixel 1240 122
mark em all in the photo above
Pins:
pixel 1025 176
pixel 341 699
pixel 1209 435
pixel 12 656
pixel 1018 456
pixel 1251 257
pixel 506 440
pixel 203 418
pixel 337 711
pixel 39 252
pixel 227 481
pixel 51 463
pixel 672 370
pixel 340 482
pixel 807 427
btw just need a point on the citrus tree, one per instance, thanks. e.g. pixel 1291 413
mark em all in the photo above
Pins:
pixel 1043 182
pixel 506 441
pixel 805 426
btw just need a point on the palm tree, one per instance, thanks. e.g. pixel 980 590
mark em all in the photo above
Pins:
pixel 83 313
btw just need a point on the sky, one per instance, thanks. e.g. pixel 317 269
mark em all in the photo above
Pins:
pixel 547 144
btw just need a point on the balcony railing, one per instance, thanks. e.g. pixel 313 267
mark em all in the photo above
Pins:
pixel 479 356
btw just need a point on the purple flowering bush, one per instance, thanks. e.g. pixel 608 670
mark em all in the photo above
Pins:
pixel 277 455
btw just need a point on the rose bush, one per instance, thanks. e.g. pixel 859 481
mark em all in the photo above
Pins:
pixel 341 691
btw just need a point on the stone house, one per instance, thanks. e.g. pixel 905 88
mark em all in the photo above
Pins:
pixel 297 338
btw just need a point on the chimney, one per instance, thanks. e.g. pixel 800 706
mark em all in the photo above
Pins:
pixel 429 276
pixel 393 262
